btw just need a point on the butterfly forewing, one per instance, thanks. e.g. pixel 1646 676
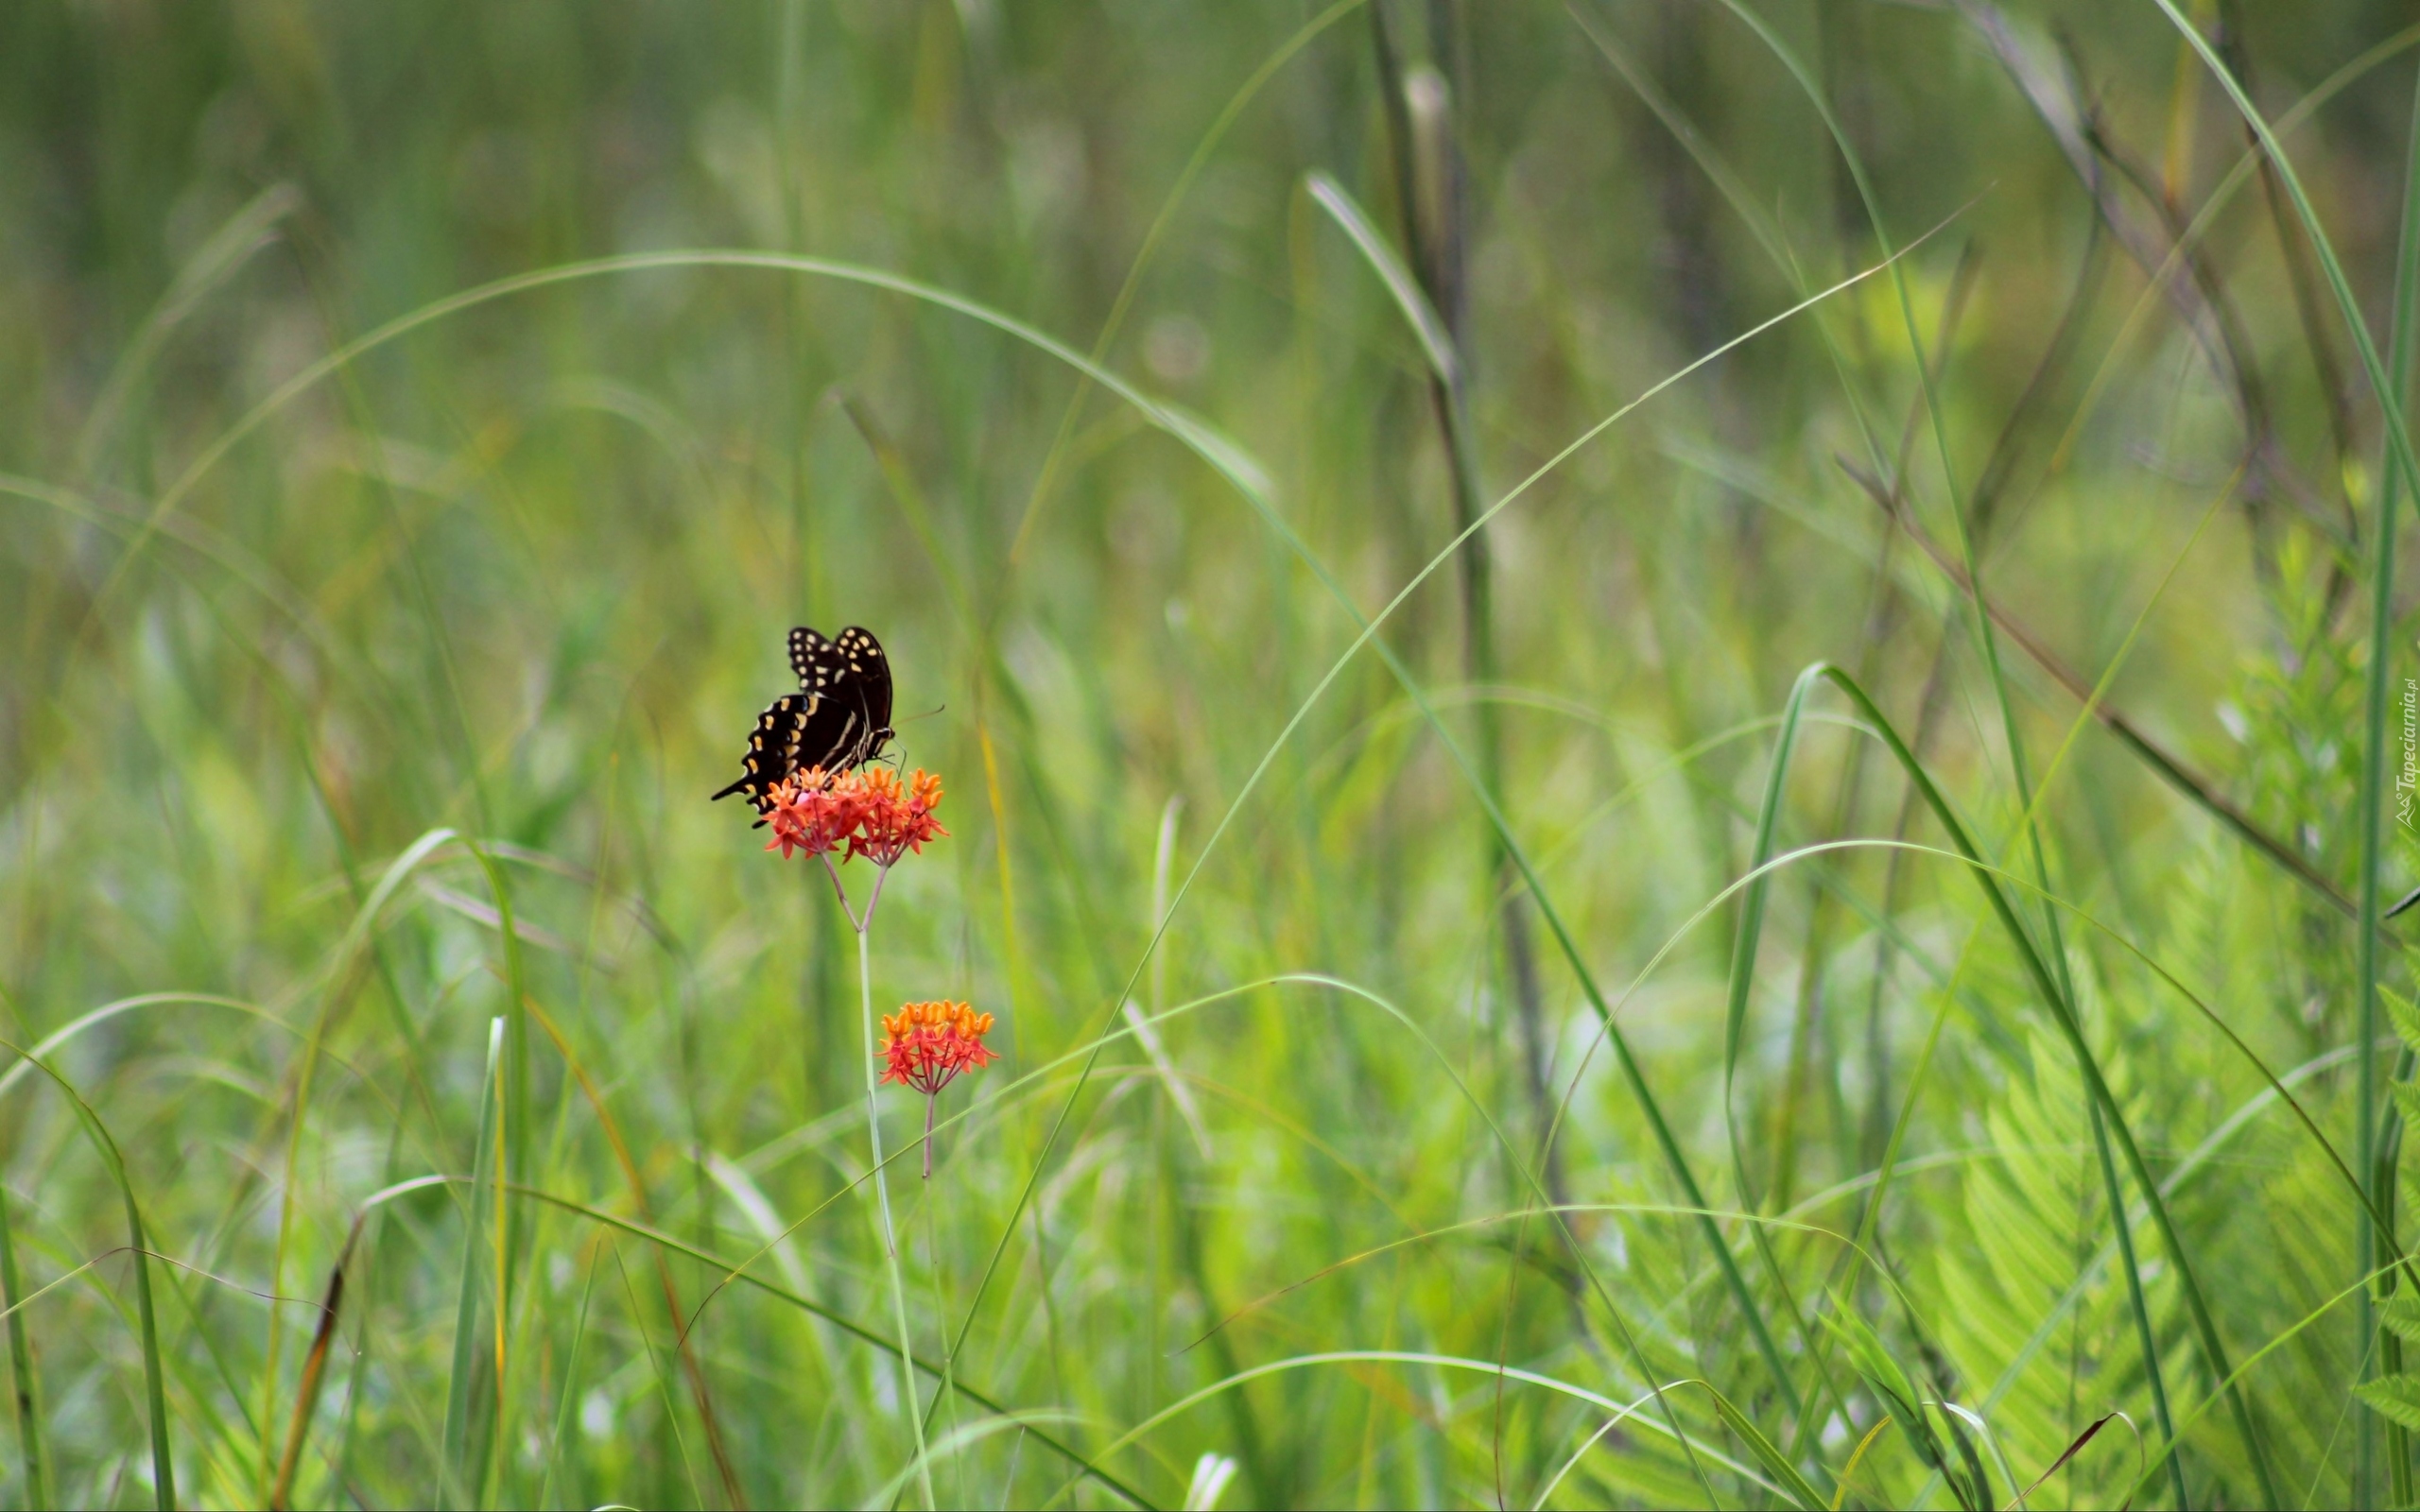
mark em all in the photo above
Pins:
pixel 839 718
pixel 869 678
pixel 812 657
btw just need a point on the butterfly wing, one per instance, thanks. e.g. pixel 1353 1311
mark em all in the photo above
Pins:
pixel 783 732
pixel 813 659
pixel 867 688
pixel 839 718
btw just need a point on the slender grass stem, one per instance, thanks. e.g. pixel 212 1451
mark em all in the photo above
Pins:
pixel 2378 1155
pixel 21 1365
pixel 911 1403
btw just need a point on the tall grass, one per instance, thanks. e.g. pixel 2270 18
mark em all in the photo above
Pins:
pixel 1674 737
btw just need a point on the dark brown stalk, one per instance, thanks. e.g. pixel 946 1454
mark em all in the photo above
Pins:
pixel 2294 244
pixel 307 1396
pixel 2170 769
pixel 1431 190
pixel 2052 93
pixel 2188 280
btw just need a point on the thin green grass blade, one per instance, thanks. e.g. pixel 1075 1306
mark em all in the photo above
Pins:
pixel 513 1124
pixel 1987 640
pixel 1144 254
pixel 1221 456
pixel 2276 1342
pixel 663 1379
pixel 340 984
pixel 2399 355
pixel 568 1393
pixel 218 259
pixel 2204 1327
pixel 1776 1463
pixel 1487 1367
pixel 462 1466
pixel 25 1386
pixel 155 1394
pixel 2387 384
pixel 2382 385
pixel 1437 345
pixel 741 1272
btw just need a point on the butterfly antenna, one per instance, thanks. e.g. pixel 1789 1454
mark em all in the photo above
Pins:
pixel 926 715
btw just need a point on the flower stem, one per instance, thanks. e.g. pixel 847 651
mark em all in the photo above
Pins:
pixel 842 893
pixel 930 1098
pixel 913 1399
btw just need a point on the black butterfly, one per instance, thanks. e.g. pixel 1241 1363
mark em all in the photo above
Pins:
pixel 839 718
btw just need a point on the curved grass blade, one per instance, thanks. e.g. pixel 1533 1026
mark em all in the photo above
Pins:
pixel 2227 1384
pixel 568 1392
pixel 1220 454
pixel 338 980
pixel 155 1395
pixel 24 1385
pixel 2205 1328
pixel 1110 324
pixel 883 1343
pixel 218 259
pixel 2387 385
pixel 1449 1361
pixel 1793 1483
pixel 2379 1165
pixel 2055 979
pixel 461 1464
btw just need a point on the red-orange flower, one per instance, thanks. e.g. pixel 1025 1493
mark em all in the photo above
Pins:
pixel 813 811
pixel 870 812
pixel 925 1046
pixel 894 818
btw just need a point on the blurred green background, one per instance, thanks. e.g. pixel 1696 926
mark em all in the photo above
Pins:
pixel 376 628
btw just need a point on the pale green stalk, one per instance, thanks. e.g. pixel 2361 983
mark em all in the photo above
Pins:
pixel 911 1402
pixel 2377 1174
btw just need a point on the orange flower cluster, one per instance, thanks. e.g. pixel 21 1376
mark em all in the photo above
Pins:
pixel 894 818
pixel 925 1046
pixel 870 810
pixel 809 814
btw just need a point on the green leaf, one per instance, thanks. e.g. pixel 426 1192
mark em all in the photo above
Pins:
pixel 1793 1484
pixel 2405 1013
pixel 2406 1101
pixel 2401 1317
pixel 1874 1361
pixel 2394 1398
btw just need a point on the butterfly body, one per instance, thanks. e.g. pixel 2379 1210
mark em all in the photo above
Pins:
pixel 839 719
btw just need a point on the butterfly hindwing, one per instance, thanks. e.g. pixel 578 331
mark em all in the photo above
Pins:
pixel 839 719
pixel 773 749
